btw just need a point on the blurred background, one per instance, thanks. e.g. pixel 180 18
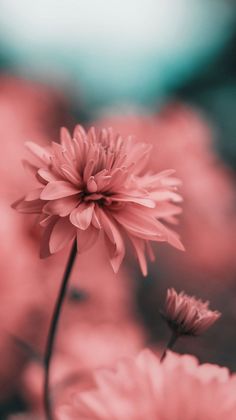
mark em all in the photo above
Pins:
pixel 164 71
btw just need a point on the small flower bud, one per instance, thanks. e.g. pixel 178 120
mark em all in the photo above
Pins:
pixel 187 315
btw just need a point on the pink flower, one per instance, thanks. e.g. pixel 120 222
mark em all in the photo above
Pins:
pixel 187 315
pixel 83 347
pixel 95 182
pixel 23 107
pixel 183 140
pixel 143 388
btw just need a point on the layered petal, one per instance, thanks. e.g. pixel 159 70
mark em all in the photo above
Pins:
pixel 41 153
pixel 30 207
pixel 86 238
pixel 62 233
pixel 96 181
pixel 139 247
pixel 114 240
pixel 61 206
pixel 58 189
pixel 81 216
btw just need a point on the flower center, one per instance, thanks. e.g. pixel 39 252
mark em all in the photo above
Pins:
pixel 102 200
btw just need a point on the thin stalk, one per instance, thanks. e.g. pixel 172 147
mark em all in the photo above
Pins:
pixel 53 331
pixel 173 338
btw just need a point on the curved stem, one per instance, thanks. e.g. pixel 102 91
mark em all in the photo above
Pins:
pixel 53 330
pixel 173 338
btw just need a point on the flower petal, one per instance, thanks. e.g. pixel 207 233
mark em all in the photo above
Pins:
pixel 173 239
pixel 62 233
pixel 139 246
pixel 81 216
pixel 166 210
pixel 143 201
pixel 115 243
pixel 47 175
pixel 139 223
pixel 88 170
pixel 86 238
pixel 44 244
pixel 95 220
pixel 164 195
pixel 34 194
pixel 62 206
pixel 38 151
pixel 58 189
pixel 66 140
pixel 23 206
pixel 71 174
pixel 116 253
pixel 91 185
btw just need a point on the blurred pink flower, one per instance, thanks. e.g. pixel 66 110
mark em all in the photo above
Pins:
pixel 81 348
pixel 26 109
pixel 183 140
pixel 143 388
pixel 24 316
pixel 187 315
pixel 93 333
pixel 95 182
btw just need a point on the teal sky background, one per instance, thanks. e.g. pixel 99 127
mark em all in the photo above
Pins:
pixel 113 53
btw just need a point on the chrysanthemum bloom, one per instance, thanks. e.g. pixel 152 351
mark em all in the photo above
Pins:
pixel 96 182
pixel 143 388
pixel 187 315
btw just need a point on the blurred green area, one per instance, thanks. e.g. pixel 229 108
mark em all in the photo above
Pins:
pixel 213 91
pixel 118 55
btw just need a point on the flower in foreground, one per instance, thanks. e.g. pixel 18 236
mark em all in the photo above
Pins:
pixel 81 349
pixel 187 315
pixel 143 388
pixel 95 182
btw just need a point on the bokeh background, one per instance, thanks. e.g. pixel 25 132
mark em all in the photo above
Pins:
pixel 164 71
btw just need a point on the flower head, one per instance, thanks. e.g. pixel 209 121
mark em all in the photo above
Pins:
pixel 143 388
pixel 187 315
pixel 95 182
